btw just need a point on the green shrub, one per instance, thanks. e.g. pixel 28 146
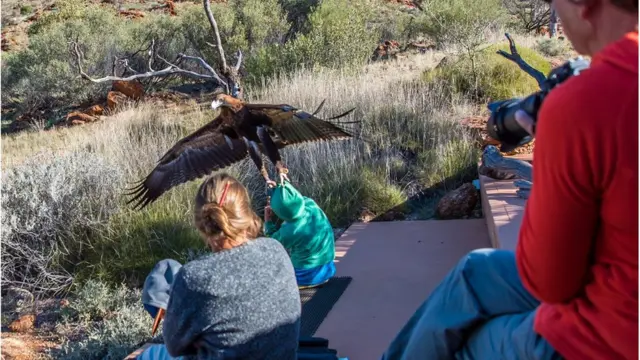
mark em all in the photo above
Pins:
pixel 44 72
pixel 461 23
pixel 553 47
pixel 338 37
pixel 379 195
pixel 448 165
pixel 494 78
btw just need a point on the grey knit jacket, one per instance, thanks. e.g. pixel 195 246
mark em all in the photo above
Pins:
pixel 243 303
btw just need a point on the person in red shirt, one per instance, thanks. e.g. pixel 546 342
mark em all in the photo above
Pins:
pixel 570 290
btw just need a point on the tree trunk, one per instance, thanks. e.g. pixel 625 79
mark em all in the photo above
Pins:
pixel 553 24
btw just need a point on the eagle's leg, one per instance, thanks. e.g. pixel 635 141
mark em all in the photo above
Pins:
pixel 272 152
pixel 255 155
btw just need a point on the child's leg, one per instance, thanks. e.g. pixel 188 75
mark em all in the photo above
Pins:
pixel 508 337
pixel 484 284
pixel 315 276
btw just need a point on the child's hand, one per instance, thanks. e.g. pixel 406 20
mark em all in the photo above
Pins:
pixel 267 213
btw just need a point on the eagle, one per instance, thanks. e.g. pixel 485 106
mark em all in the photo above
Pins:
pixel 239 129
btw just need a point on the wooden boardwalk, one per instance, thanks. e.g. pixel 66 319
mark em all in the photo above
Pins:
pixel 394 266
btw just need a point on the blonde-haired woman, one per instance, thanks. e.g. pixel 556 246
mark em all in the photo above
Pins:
pixel 241 301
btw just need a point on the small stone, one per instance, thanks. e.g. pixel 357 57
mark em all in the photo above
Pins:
pixel 366 216
pixel 458 203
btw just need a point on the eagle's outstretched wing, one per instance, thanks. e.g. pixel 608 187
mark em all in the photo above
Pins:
pixel 194 156
pixel 294 126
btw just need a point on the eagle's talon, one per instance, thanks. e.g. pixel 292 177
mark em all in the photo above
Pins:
pixel 271 183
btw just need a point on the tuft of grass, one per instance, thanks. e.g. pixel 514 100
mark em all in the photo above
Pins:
pixel 490 76
pixel 26 9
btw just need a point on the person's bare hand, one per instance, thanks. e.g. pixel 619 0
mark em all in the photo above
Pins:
pixel 526 122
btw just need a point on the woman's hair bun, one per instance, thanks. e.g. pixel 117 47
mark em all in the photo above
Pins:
pixel 213 219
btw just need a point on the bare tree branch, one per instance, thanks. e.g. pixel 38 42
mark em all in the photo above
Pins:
pixel 515 57
pixel 223 75
pixel 214 26
pixel 239 62
pixel 169 70
pixel 152 53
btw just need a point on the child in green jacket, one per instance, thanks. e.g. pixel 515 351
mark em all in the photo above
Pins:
pixel 305 232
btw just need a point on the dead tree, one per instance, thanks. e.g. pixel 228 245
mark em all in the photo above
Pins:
pixel 533 14
pixel 226 76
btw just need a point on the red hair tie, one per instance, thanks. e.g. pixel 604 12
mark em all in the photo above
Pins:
pixel 224 194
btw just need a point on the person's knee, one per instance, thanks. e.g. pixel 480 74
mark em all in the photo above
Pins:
pixel 484 259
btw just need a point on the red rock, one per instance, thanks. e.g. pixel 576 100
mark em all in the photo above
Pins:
pixel 77 116
pixel 95 110
pixel 23 323
pixel 114 99
pixel 458 203
pixel 131 89
pixel 132 14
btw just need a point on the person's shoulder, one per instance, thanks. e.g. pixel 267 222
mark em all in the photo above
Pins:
pixel 592 96
pixel 269 245
pixel 196 270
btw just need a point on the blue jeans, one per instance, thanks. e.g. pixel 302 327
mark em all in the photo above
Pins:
pixel 480 311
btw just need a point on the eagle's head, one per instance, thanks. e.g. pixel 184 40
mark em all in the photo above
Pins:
pixel 228 101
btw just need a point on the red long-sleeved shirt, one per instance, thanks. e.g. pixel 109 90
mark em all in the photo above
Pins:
pixel 578 246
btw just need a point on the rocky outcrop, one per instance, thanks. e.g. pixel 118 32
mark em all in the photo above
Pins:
pixel 458 203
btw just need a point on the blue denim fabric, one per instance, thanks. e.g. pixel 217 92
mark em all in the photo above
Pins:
pixel 480 311
pixel 316 275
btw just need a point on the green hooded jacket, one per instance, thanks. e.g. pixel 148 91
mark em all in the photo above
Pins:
pixel 305 232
